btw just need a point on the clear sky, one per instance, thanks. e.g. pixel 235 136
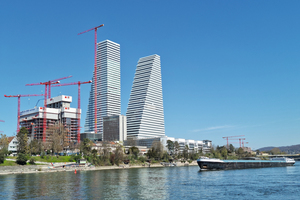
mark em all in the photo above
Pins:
pixel 228 67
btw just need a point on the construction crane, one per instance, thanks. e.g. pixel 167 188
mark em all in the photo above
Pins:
pixel 240 140
pixel 244 143
pixel 19 102
pixel 78 105
pixel 227 137
pixel 95 74
pixel 47 83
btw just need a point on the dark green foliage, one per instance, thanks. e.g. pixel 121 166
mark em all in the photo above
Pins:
pixel 170 146
pixel 134 151
pixel 142 159
pixel 74 158
pixel 86 147
pixel 2 157
pixel 22 159
pixel 23 146
pixel 112 159
pixel 119 155
pixel 43 154
pixel 32 161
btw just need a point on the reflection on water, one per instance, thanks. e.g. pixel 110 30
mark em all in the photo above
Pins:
pixel 155 183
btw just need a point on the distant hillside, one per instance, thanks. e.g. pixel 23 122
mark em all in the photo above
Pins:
pixel 288 149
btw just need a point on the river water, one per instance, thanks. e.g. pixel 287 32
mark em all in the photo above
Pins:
pixel 156 183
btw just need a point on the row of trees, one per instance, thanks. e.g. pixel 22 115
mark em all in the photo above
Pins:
pixel 222 152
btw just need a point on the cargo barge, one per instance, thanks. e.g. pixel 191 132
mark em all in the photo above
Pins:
pixel 217 164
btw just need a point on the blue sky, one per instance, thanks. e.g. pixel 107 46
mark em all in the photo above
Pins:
pixel 228 67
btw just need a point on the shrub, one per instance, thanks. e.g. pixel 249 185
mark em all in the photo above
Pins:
pixel 142 159
pixel 21 159
pixel 32 161
pixel 43 154
pixel 2 157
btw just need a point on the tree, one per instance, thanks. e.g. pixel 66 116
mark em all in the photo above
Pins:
pixel 3 141
pixel 23 141
pixel 224 152
pixel 2 157
pixel 86 147
pixel 170 146
pixel 119 155
pixel 36 147
pixel 240 152
pixel 275 151
pixel 186 152
pixel 231 148
pixel 134 151
pixel 58 138
pixel 176 147
pixel 158 148
pixel 3 147
pixel 21 159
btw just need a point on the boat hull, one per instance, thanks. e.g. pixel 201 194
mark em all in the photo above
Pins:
pixel 207 165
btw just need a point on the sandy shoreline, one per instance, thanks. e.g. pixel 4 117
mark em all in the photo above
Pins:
pixel 28 169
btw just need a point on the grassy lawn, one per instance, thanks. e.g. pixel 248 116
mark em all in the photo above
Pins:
pixel 9 163
pixel 53 158
pixel 47 158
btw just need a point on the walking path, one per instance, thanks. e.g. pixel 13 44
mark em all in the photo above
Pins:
pixel 60 167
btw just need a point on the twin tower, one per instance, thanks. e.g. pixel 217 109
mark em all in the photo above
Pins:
pixel 145 113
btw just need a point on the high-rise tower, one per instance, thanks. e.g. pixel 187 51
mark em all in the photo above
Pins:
pixel 108 86
pixel 145 113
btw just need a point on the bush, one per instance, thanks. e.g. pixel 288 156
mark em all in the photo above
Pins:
pixel 32 161
pixel 21 159
pixel 2 157
pixel 43 154
pixel 142 159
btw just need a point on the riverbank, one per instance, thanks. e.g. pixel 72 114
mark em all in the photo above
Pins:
pixel 58 167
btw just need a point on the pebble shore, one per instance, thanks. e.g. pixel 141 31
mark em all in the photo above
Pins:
pixel 58 167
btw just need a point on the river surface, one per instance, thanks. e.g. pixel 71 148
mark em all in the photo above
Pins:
pixel 156 183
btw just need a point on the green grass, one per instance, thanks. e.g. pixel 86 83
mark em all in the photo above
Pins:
pixel 52 159
pixel 47 158
pixel 9 163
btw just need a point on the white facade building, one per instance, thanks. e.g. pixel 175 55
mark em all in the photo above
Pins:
pixel 13 145
pixel 145 113
pixel 58 111
pixel 108 86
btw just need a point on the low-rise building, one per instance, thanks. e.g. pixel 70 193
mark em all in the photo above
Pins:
pixel 13 145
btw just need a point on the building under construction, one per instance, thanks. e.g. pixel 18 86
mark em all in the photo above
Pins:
pixel 58 112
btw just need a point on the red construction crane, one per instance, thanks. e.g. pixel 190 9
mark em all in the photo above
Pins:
pixel 240 140
pixel 47 83
pixel 95 74
pixel 78 105
pixel 19 102
pixel 231 137
pixel 244 143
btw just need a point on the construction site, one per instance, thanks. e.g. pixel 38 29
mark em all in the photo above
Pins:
pixel 58 112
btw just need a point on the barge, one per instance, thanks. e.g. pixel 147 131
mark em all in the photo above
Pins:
pixel 217 164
